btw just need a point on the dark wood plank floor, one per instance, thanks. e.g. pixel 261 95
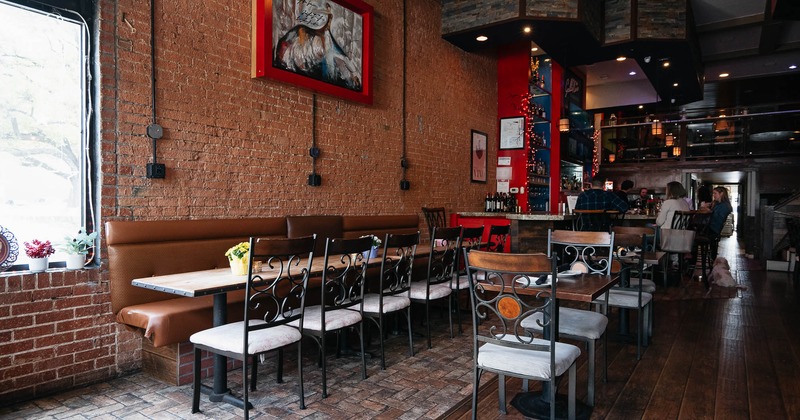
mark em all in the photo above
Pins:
pixel 709 358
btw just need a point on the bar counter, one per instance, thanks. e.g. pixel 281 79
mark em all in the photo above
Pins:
pixel 529 230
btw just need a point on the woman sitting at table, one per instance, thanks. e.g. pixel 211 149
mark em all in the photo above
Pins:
pixel 673 203
pixel 720 210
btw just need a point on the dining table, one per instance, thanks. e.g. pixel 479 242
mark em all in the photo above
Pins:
pixel 218 282
pixel 583 288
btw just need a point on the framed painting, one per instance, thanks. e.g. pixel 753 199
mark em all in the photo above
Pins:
pixel 321 45
pixel 478 161
pixel 512 133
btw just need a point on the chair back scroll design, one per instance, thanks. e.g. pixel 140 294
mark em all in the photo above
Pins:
pixel 591 252
pixel 500 343
pixel 435 217
pixel 498 235
pixel 445 245
pixel 345 273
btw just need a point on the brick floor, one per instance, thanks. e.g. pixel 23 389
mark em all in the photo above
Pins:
pixel 423 386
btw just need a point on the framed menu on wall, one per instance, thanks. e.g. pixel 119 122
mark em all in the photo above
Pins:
pixel 512 133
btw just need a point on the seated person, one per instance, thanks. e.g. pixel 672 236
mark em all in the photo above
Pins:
pixel 597 198
pixel 720 210
pixel 673 203
pixel 622 192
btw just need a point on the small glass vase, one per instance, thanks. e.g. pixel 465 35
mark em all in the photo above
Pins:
pixel 372 253
pixel 239 266
pixel 37 265
pixel 75 261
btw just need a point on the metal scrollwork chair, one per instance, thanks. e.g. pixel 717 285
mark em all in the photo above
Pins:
pixel 498 236
pixel 275 298
pixel 392 293
pixel 500 342
pixel 435 217
pixel 589 252
pixel 471 238
pixel 442 260
pixel 340 297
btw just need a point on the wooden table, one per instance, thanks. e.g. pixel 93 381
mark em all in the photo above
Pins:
pixel 218 283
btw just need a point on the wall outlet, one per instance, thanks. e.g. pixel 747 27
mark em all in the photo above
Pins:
pixel 156 170
pixel 314 180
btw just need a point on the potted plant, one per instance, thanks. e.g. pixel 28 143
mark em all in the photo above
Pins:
pixel 77 247
pixel 376 243
pixel 38 252
pixel 239 257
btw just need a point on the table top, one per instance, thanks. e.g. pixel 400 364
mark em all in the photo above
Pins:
pixel 221 280
pixel 580 288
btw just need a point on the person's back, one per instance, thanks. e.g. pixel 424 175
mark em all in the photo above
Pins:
pixel 673 203
pixel 598 199
pixel 622 192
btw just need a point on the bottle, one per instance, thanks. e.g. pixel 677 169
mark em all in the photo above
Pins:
pixel 486 202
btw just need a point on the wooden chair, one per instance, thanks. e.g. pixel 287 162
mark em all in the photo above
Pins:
pixel 270 309
pixel 340 298
pixel 630 237
pixel 442 260
pixel 501 344
pixel 392 294
pixel 435 217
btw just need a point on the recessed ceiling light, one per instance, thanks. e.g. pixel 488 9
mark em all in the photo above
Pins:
pixel 792 67
pixel 632 73
pixel 724 74
pixel 622 58
pixel 482 38
pixel 665 64
pixel 526 29
pixel 534 49
pixel 546 60
pixel 641 106
pixel 674 85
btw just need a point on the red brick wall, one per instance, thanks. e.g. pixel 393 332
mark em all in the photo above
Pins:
pixel 235 147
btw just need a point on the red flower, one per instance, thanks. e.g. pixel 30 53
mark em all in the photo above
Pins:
pixel 39 249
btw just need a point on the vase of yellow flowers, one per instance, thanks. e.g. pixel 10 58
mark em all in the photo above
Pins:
pixel 239 258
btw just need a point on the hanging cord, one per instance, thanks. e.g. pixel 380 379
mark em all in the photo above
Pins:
pixel 314 179
pixel 404 184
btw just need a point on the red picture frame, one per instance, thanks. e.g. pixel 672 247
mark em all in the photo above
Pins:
pixel 343 30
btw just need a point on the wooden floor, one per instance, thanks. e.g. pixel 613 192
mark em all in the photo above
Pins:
pixel 709 358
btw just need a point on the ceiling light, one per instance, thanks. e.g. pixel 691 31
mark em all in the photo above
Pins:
pixel 641 106
pixel 632 73
pixel 534 49
pixel 792 67
pixel 482 38
pixel 724 74
pixel 675 85
pixel 546 60
pixel 665 64
pixel 526 29
pixel 621 58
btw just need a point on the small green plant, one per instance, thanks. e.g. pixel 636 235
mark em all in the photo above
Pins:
pixel 376 242
pixel 80 243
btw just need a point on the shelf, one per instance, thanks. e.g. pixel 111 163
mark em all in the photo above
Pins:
pixel 536 90
pixel 540 176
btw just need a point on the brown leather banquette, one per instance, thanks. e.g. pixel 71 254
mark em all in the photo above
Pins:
pixel 138 249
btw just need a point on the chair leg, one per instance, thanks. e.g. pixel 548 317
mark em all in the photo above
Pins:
pixel 590 349
pixel 279 378
pixel 300 374
pixel 253 373
pixel 245 390
pixel 571 393
pixel 380 340
pixel 450 315
pixel 476 379
pixel 605 357
pixel 196 384
pixel 363 353
pixel 324 365
pixel 428 321
pixel 639 333
pixel 501 393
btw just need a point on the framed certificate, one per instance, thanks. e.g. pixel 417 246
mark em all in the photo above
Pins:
pixel 512 133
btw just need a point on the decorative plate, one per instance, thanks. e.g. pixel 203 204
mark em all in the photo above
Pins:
pixel 570 273
pixel 524 281
pixel 9 249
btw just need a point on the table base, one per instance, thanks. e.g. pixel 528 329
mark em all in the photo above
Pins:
pixel 531 404
pixel 226 397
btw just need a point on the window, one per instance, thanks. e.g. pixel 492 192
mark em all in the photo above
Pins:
pixel 44 116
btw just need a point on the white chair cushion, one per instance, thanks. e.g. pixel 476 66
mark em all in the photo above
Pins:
pixel 574 322
pixel 390 303
pixel 463 282
pixel 648 285
pixel 230 337
pixel 437 290
pixel 625 298
pixel 527 362
pixel 334 320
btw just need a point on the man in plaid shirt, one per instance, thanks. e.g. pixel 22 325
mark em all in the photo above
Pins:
pixel 597 198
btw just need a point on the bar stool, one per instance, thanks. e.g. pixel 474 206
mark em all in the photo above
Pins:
pixel 435 217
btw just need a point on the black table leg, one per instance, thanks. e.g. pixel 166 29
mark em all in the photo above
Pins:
pixel 220 391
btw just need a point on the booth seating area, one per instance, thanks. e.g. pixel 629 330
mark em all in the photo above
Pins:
pixel 138 249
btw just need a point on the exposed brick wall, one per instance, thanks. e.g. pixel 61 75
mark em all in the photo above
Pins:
pixel 238 147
